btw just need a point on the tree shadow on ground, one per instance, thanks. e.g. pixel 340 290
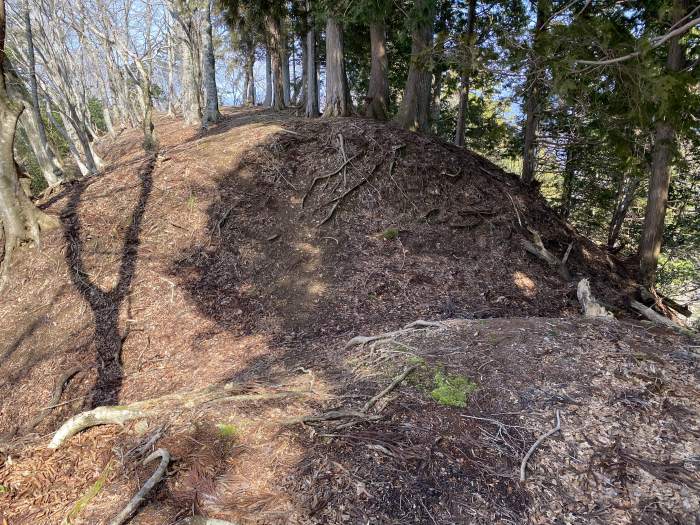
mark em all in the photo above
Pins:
pixel 106 304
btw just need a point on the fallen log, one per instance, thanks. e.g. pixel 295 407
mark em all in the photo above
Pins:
pixel 659 319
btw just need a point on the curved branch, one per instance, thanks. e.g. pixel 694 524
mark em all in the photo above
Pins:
pixel 131 507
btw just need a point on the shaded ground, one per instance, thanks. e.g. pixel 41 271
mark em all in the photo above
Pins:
pixel 208 264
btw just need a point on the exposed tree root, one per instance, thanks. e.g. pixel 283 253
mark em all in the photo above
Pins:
pixel 55 397
pixel 536 444
pixel 326 176
pixel 589 305
pixel 362 414
pixel 339 199
pixel 537 248
pixel 118 415
pixel 361 340
pixel 136 501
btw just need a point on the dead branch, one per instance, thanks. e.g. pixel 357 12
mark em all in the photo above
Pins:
pixel 330 416
pixel 326 176
pixel 657 318
pixel 55 397
pixel 136 501
pixel 517 213
pixel 537 248
pixel 537 444
pixel 118 415
pixel 589 305
pixel 397 380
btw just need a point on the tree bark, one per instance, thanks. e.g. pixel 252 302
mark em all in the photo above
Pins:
pixel 660 179
pixel 627 193
pixel 191 110
pixel 338 102
pixel 31 120
pixel 414 113
pixel 268 78
pixel 312 105
pixel 465 81
pixel 274 35
pixel 534 93
pixel 211 109
pixel 378 92
pixel 285 72
pixel 249 95
pixel 21 220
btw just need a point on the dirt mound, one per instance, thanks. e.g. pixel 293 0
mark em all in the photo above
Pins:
pixel 341 223
pixel 214 262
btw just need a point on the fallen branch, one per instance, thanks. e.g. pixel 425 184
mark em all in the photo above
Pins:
pixel 657 318
pixel 131 507
pixel 397 380
pixel 537 248
pixel 537 444
pixel 589 305
pixel 98 416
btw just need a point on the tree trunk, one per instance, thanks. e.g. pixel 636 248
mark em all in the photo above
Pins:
pixel 534 93
pixel 31 120
pixel 338 102
pixel 301 91
pixel 414 113
pixel 466 77
pixel 268 79
pixel 627 193
pixel 249 95
pixel 274 34
pixel 211 110
pixel 568 185
pixel 378 91
pixel 191 110
pixel 660 180
pixel 21 220
pixel 171 75
pixel 285 72
pixel 312 105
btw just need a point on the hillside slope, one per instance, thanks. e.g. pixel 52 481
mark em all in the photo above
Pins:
pixel 220 260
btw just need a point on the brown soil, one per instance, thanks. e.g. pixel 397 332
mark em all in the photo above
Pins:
pixel 206 264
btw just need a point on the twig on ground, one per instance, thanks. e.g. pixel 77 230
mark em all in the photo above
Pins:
pixel 131 507
pixel 397 380
pixel 537 444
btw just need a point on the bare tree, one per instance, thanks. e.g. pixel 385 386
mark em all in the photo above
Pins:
pixel 21 220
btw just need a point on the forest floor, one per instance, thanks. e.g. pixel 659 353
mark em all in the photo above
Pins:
pixel 220 260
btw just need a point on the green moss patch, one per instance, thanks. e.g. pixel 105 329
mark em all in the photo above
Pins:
pixel 452 390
